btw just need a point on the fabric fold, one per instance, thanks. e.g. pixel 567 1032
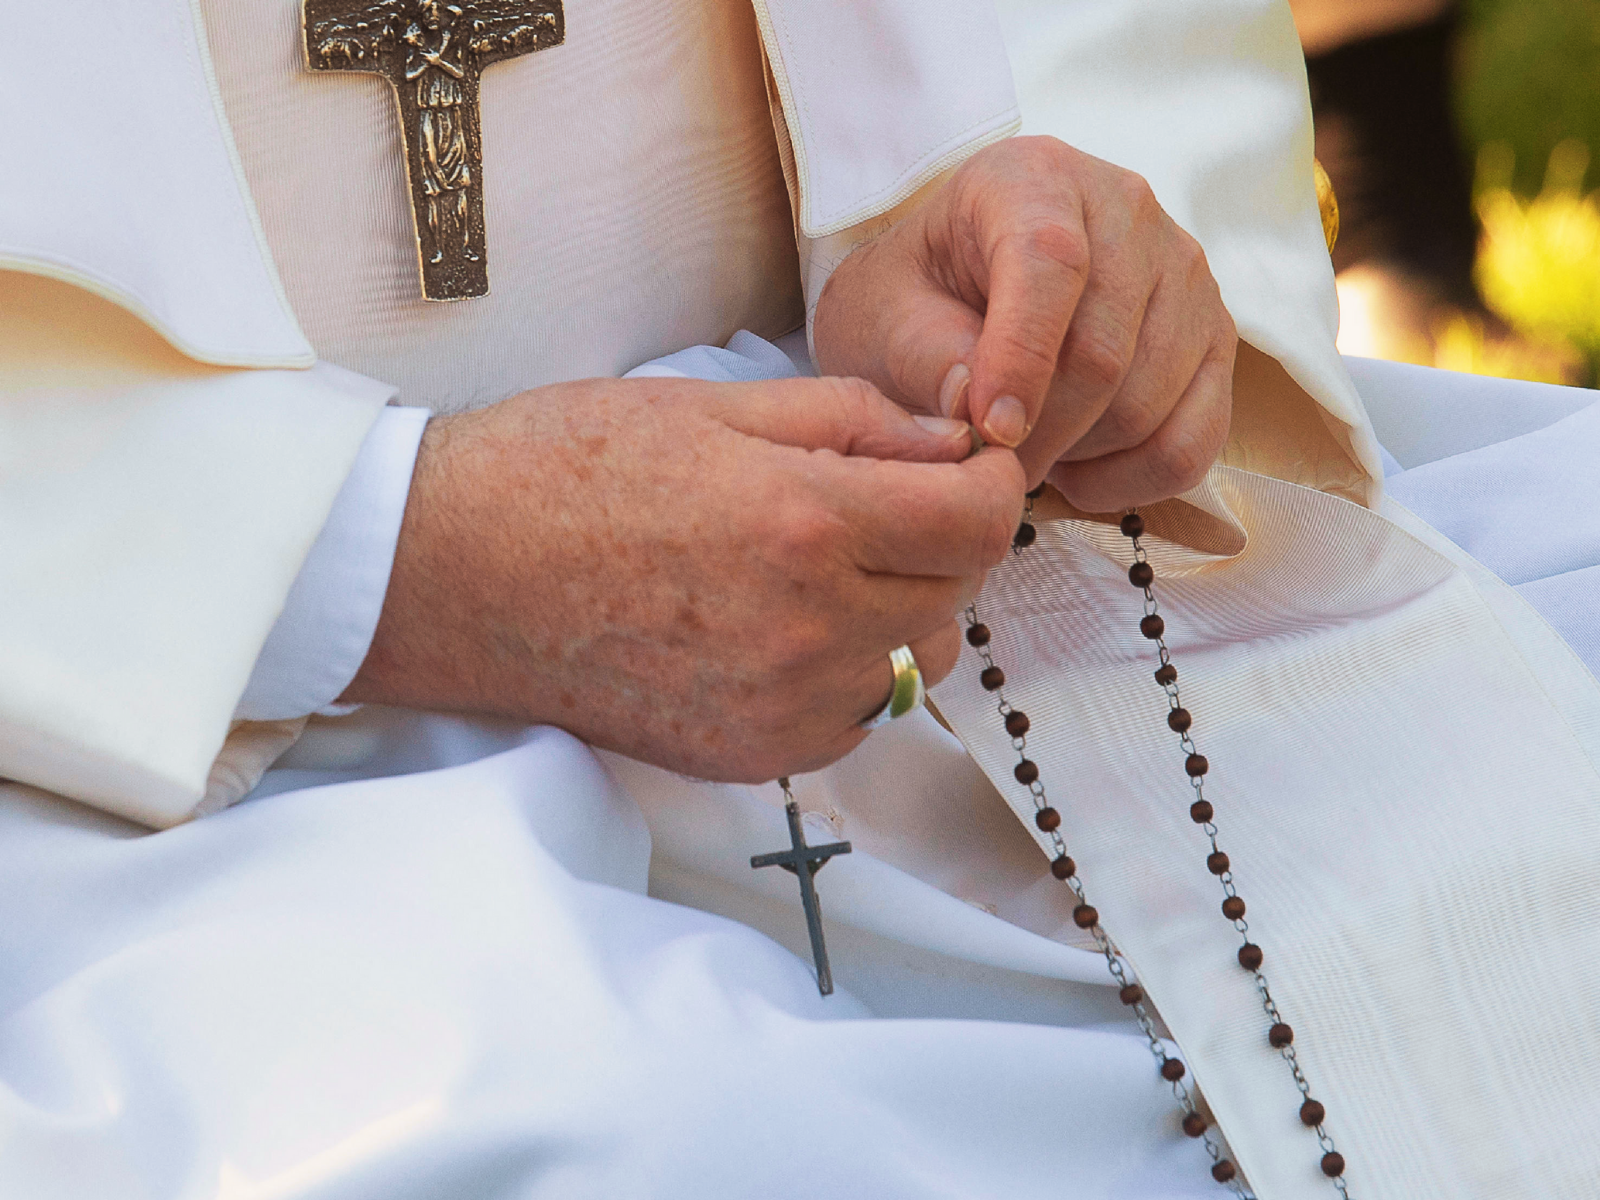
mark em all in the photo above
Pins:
pixel 154 514
pixel 1361 764
pixel 855 156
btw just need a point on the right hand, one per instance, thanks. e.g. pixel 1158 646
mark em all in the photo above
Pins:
pixel 707 577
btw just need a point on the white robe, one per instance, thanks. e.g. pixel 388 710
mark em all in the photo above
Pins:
pixel 396 984
pixel 477 978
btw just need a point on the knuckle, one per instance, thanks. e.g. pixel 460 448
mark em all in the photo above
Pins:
pixel 1046 239
pixel 1128 423
pixel 804 535
pixel 1099 356
pixel 1027 350
pixel 855 398
pixel 1136 191
pixel 1193 254
pixel 1181 461
pixel 1197 274
pixel 1040 152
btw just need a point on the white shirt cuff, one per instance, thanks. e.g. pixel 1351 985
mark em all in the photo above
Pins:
pixel 331 613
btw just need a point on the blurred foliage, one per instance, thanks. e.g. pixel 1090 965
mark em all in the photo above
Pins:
pixel 1530 78
pixel 1529 101
pixel 1539 262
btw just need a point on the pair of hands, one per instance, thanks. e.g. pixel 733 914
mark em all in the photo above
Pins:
pixel 709 577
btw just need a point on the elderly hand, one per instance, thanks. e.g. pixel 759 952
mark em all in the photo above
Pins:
pixel 708 577
pixel 1044 295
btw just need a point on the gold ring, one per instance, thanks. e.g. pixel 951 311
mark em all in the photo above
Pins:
pixel 907 694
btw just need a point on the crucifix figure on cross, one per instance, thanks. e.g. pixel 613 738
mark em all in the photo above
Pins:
pixel 805 861
pixel 432 52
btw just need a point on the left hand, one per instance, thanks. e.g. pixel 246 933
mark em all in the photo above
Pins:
pixel 1045 296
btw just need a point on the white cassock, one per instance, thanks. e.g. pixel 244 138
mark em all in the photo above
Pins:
pixel 484 960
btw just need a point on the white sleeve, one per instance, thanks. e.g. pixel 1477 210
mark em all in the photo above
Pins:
pixel 331 613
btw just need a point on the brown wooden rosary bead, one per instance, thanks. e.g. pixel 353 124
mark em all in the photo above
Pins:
pixel 1280 1036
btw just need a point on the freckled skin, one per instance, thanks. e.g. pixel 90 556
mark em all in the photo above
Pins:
pixel 710 577
pixel 694 574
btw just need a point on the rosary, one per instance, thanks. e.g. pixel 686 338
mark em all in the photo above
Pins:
pixel 805 861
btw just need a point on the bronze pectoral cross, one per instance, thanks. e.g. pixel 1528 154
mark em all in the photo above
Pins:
pixel 433 54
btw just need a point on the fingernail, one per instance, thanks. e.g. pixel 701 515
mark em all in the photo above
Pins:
pixel 942 426
pixel 1007 422
pixel 954 389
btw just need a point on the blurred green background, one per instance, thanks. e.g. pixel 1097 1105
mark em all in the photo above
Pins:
pixel 1528 100
pixel 1530 76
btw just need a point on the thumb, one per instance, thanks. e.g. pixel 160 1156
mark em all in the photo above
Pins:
pixel 847 416
pixel 930 353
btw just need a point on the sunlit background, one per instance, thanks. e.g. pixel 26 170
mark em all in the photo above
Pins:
pixel 1515 84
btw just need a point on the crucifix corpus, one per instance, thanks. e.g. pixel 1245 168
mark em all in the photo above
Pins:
pixel 805 861
pixel 433 54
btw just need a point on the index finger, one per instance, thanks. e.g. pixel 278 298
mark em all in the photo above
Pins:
pixel 1038 269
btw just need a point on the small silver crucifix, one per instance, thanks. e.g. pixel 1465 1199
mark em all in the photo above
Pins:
pixel 812 859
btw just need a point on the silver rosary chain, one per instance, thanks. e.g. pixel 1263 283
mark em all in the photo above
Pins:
pixel 1152 608
pixel 1115 964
